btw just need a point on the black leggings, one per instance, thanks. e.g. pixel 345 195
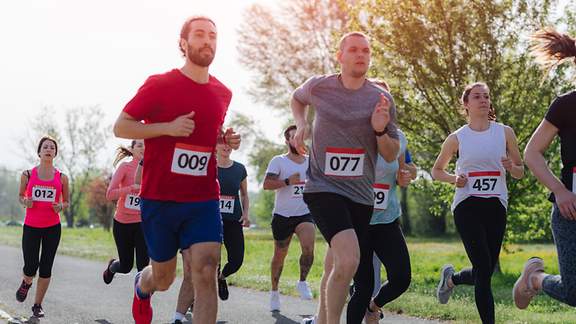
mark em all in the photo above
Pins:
pixel 32 239
pixel 129 237
pixel 387 241
pixel 234 244
pixel 481 223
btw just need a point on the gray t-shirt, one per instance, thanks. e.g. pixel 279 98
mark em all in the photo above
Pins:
pixel 344 148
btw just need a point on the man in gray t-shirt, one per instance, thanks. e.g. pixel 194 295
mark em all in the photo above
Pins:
pixel 354 122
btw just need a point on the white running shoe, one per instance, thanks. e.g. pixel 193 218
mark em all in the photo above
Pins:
pixel 274 301
pixel 309 320
pixel 304 290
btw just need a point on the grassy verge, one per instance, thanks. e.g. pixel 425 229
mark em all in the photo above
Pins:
pixel 427 256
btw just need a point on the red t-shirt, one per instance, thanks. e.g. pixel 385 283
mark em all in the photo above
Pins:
pixel 181 169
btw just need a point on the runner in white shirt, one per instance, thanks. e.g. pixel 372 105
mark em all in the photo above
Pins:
pixel 286 175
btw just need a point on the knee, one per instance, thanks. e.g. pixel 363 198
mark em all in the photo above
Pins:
pixel 346 265
pixel 163 281
pixel 402 281
pixel 279 255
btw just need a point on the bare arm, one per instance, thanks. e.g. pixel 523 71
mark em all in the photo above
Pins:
pixel 272 182
pixel 24 201
pixel 514 165
pixel 65 192
pixel 127 126
pixel 245 201
pixel 388 147
pixel 449 148
pixel 138 175
pixel 534 157
pixel 302 128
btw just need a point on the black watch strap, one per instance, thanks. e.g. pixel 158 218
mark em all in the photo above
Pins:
pixel 382 132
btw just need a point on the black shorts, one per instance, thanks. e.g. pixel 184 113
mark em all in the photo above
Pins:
pixel 284 227
pixel 334 213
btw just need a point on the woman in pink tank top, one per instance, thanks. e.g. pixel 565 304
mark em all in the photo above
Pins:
pixel 127 230
pixel 44 194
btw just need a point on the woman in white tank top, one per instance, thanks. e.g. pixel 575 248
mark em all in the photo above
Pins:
pixel 486 150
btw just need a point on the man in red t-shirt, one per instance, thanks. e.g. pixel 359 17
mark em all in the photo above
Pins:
pixel 183 111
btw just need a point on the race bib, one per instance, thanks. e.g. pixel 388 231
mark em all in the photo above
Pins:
pixel 227 204
pixel 132 202
pixel 298 190
pixel 344 162
pixel 44 194
pixel 485 183
pixel 191 160
pixel 381 195
pixel 574 180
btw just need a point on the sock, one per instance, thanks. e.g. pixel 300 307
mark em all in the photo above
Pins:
pixel 178 316
pixel 140 293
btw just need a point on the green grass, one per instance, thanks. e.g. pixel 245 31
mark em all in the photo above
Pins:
pixel 427 256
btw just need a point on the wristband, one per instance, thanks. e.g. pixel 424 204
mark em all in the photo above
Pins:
pixel 287 181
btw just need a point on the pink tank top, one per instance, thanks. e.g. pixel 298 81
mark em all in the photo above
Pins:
pixel 43 194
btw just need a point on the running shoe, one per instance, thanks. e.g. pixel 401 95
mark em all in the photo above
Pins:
pixel 304 290
pixel 37 311
pixel 22 292
pixel 523 291
pixel 223 289
pixel 108 275
pixel 443 292
pixel 309 320
pixel 141 308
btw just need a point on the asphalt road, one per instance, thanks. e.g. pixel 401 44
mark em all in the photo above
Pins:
pixel 77 294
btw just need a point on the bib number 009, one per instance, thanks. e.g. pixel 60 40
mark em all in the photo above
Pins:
pixel 191 160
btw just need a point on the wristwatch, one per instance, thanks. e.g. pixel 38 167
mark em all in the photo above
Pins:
pixel 287 181
pixel 378 134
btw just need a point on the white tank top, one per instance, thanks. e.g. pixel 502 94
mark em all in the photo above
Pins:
pixel 480 158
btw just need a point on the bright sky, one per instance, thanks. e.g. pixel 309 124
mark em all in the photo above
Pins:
pixel 70 53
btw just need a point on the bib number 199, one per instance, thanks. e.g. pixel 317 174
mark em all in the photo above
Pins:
pixel 381 195
pixel 191 160
pixel 132 202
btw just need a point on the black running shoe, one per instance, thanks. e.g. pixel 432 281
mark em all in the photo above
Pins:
pixel 222 289
pixel 22 292
pixel 108 275
pixel 37 311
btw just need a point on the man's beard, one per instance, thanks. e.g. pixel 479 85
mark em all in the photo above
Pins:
pixel 198 58
pixel 293 149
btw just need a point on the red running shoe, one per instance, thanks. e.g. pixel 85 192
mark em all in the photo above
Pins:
pixel 141 308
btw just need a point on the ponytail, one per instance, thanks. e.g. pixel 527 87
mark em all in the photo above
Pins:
pixel 123 152
pixel 550 48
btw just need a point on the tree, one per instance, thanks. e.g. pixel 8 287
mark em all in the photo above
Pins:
pixel 102 208
pixel 81 137
pixel 286 46
pixel 428 51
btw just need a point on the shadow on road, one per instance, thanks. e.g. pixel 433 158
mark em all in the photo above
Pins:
pixel 281 319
